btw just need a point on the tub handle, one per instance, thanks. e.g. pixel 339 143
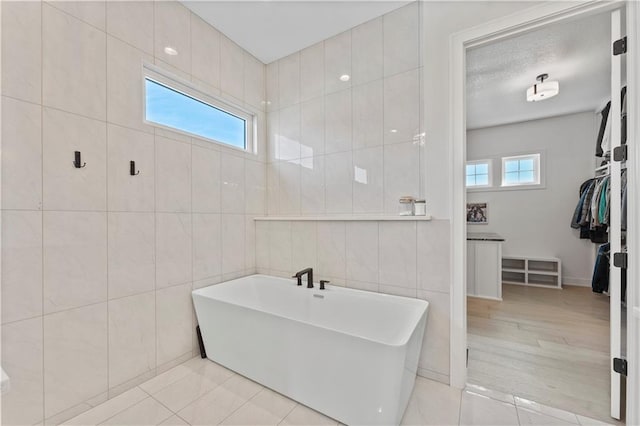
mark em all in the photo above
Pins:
pixel 322 283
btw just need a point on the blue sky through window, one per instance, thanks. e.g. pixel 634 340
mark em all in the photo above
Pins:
pixel 171 108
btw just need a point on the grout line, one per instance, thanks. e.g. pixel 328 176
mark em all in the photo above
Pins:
pixel 42 286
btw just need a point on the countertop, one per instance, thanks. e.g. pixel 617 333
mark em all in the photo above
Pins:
pixel 483 236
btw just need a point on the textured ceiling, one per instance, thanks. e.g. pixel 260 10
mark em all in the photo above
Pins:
pixel 271 30
pixel 575 53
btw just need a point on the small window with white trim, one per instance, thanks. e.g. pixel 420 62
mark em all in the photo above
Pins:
pixel 180 107
pixel 478 174
pixel 521 170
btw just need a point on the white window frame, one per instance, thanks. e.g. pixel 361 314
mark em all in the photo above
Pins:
pixel 489 164
pixel 538 170
pixel 187 88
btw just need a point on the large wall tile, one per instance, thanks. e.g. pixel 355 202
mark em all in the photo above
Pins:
pixel 75 259
pixel 402 107
pixel 280 246
pixel 74 57
pixel 233 238
pixel 21 265
pixel 304 239
pixel 125 85
pixel 173 249
pixel 331 250
pixel 337 122
pixel 232 190
pixel 337 62
pixel 131 253
pixel 368 178
pixel 289 187
pixel 289 133
pixel 434 256
pixel 174 323
pixel 254 82
pixel 21 155
pixel 312 72
pixel 75 357
pixel 312 189
pixel 22 352
pixel 249 243
pixel 231 68
pixel 262 246
pixel 366 48
pixel 172 22
pixel 205 52
pixel 288 80
pixel 338 169
pixel 397 254
pixel 132 337
pixel 272 80
pixel 312 128
pixel 402 39
pixel 65 186
pixel 362 251
pixel 126 192
pixel 401 174
pixel 93 12
pixel 132 21
pixel 207 246
pixel 367 115
pixel 255 184
pixel 205 180
pixel 22 50
pixel 435 347
pixel 173 175
pixel 273 188
pixel 273 135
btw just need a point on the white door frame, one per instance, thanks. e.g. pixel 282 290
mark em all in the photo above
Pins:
pixel 507 26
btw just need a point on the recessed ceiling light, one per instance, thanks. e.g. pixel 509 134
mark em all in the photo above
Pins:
pixel 345 77
pixel 394 130
pixel 170 51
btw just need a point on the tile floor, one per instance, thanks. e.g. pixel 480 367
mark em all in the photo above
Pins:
pixel 201 392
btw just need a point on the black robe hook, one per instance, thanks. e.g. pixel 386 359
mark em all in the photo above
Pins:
pixel 132 169
pixel 77 163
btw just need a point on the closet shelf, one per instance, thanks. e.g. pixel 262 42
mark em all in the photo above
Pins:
pixel 350 218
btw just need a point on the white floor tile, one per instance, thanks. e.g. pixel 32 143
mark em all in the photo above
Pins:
pixel 179 394
pixel 545 409
pixel 215 406
pixel 482 410
pixel 432 403
pixel 174 421
pixel 266 408
pixel 587 421
pixel 535 418
pixel 481 390
pixel 305 416
pixel 109 408
pixel 147 412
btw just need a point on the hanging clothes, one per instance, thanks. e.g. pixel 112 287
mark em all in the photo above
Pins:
pixel 600 279
pixel 603 144
pixel 603 124
pixel 591 214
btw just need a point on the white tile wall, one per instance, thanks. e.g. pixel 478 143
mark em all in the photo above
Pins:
pixel 380 105
pixel 98 265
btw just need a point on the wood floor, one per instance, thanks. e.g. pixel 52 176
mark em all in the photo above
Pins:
pixel 550 346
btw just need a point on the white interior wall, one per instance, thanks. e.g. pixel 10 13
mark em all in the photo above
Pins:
pixel 535 222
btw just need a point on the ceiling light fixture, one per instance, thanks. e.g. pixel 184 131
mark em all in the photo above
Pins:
pixel 170 51
pixel 543 90
pixel 345 77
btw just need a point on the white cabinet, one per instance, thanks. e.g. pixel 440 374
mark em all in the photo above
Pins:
pixel 484 268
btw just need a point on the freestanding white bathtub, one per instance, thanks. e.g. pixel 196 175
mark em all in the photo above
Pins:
pixel 350 354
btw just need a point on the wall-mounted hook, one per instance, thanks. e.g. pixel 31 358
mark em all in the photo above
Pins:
pixel 77 163
pixel 132 169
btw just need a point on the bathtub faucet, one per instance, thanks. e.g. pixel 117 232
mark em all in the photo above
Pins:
pixel 309 272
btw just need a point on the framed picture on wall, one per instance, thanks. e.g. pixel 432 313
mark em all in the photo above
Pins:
pixel 477 214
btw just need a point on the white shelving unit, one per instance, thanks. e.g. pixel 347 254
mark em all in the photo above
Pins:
pixel 534 272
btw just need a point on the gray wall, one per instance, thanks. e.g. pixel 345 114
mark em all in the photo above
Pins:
pixel 535 222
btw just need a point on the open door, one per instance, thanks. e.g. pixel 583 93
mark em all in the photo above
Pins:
pixel 618 256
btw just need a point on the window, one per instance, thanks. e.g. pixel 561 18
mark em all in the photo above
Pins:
pixel 521 170
pixel 478 173
pixel 174 105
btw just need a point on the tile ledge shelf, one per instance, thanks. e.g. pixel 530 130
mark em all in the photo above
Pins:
pixel 345 218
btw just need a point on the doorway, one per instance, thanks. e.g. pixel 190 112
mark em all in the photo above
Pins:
pixel 533 20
